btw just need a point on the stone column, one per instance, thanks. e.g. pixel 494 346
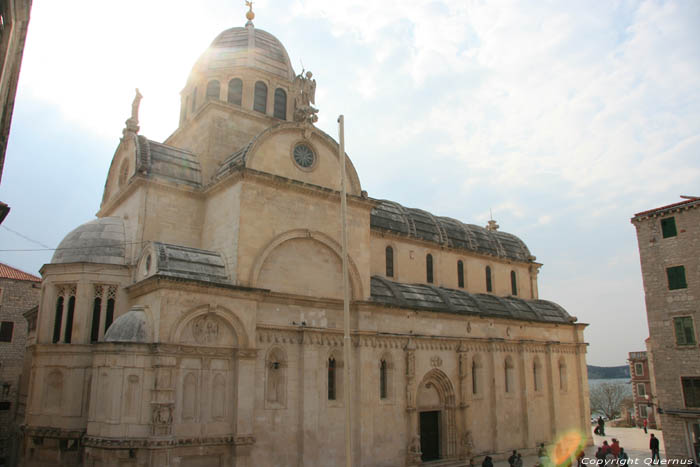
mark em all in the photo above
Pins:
pixel 463 435
pixel 494 400
pixel 413 452
pixel 554 395
pixel 525 395
pixel 245 406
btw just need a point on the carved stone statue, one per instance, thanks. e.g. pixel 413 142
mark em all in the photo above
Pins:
pixel 304 97
pixel 132 123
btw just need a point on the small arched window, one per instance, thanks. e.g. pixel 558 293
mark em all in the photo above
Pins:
pixel 476 374
pixel 509 375
pixel 96 311
pixel 332 370
pixel 537 375
pixel 489 285
pixel 235 91
pixel 429 268
pixel 68 334
pixel 57 320
pixel 213 90
pixel 280 110
pixel 260 97
pixel 383 380
pixel 460 274
pixel 563 384
pixel 389 262
pixel 513 283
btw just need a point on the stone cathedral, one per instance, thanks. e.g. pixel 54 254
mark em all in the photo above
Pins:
pixel 197 321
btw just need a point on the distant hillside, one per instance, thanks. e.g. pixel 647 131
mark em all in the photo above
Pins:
pixel 608 372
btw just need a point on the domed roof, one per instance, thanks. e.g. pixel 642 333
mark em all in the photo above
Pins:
pixel 98 241
pixel 130 327
pixel 247 47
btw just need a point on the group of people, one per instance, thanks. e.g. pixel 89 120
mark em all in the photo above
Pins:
pixel 611 453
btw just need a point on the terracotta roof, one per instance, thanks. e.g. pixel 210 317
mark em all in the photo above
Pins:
pixel 685 202
pixel 7 272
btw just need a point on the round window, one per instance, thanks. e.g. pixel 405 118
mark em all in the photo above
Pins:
pixel 304 156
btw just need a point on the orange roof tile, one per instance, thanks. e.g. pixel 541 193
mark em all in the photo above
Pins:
pixel 8 272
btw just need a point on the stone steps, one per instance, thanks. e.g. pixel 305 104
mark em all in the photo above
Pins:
pixel 446 463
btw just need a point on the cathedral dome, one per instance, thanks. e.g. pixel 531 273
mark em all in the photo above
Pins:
pixel 247 47
pixel 98 241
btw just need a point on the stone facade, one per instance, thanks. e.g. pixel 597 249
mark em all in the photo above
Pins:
pixel 19 292
pixel 198 321
pixel 642 394
pixel 669 247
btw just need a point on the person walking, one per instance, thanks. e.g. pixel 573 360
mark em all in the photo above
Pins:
pixel 645 422
pixel 601 426
pixel 513 457
pixel 654 446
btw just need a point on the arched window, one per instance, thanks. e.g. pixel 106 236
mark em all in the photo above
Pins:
pixel 194 99
pixel 96 311
pixel 260 98
pixel 109 315
pixel 509 375
pixel 213 90
pixel 280 104
pixel 235 91
pixel 489 285
pixel 460 274
pixel 476 374
pixel 332 377
pixel 68 335
pixel 429 268
pixel 563 382
pixel 389 262
pixel 383 380
pixel 57 320
pixel 537 375
pixel 513 283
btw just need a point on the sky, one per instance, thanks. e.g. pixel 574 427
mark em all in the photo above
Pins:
pixel 562 119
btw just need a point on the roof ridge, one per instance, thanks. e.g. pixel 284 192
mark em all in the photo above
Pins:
pixel 9 272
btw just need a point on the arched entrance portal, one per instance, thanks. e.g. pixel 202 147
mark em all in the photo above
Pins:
pixel 436 416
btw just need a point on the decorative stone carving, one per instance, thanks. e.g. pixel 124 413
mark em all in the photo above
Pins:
pixel 162 418
pixel 467 445
pixel 435 361
pixel 206 330
pixel 304 90
pixel 132 123
pixel 463 364
pixel 414 453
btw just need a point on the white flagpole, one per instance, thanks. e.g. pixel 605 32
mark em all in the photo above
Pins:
pixel 346 294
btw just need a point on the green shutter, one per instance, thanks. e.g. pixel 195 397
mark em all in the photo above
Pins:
pixel 668 227
pixel 680 335
pixel 676 278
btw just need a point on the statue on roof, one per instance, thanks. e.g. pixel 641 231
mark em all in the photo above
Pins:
pixel 132 123
pixel 304 90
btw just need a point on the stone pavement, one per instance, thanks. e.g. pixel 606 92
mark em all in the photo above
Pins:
pixel 633 440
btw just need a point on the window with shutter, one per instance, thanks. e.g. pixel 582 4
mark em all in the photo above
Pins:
pixel 460 274
pixel 389 262
pixel 213 90
pixel 668 227
pixel 691 391
pixel 260 98
pixel 685 333
pixel 235 91
pixel 676 278
pixel 280 110
pixel 429 268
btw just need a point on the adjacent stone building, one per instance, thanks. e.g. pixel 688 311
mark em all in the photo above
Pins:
pixel 198 320
pixel 19 292
pixel 669 250
pixel 643 396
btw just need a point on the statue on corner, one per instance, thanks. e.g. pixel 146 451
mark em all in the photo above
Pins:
pixel 304 97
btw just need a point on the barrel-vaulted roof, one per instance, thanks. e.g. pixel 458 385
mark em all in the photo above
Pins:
pixel 439 299
pixel 416 223
pixel 169 162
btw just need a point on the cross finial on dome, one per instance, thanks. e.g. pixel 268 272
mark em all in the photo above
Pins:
pixel 249 14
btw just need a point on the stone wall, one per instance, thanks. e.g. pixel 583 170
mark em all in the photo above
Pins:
pixel 16 297
pixel 672 361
